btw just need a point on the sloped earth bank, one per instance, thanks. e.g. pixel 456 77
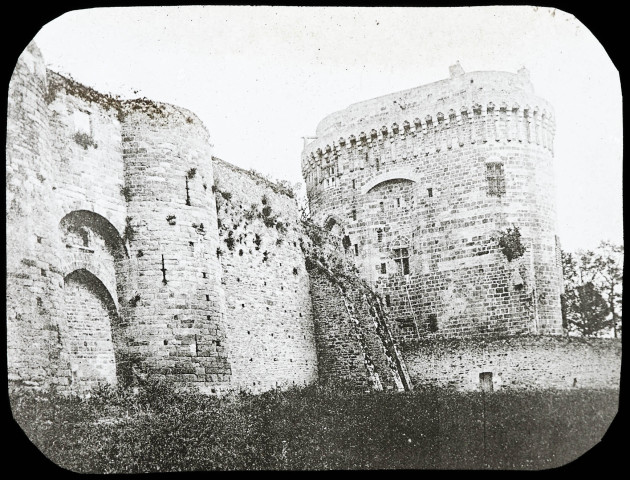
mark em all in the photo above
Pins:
pixel 315 428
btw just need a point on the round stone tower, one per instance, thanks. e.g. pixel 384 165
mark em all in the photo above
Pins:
pixel 429 189
pixel 177 304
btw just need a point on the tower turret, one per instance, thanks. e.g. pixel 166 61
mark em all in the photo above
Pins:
pixel 426 182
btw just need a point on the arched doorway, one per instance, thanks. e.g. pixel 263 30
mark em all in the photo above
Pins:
pixel 91 334
pixel 96 268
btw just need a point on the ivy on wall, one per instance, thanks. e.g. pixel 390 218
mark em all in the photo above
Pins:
pixel 510 243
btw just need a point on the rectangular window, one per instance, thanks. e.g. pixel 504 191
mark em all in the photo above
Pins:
pixel 356 250
pixel 378 164
pixel 354 184
pixel 354 214
pixel 383 268
pixel 382 206
pixel 388 301
pixel 495 177
pixel 379 235
pixel 401 257
pixel 398 202
pixel 430 192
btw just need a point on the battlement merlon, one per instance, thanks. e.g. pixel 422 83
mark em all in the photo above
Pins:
pixel 438 103
pixel 432 95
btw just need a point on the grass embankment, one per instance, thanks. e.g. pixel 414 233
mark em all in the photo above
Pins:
pixel 315 428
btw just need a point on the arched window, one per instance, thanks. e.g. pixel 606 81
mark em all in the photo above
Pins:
pixel 400 255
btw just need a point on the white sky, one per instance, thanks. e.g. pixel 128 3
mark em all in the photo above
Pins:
pixel 260 78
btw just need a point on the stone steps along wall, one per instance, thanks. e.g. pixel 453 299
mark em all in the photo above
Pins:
pixel 177 323
pixel 270 327
pixel 519 362
pixel 353 338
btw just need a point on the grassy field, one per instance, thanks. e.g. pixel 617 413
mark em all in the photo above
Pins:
pixel 315 428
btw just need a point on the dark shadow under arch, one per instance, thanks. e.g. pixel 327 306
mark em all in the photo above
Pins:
pixel 400 174
pixel 390 181
pixel 92 283
pixel 77 220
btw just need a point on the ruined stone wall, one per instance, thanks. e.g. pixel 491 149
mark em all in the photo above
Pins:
pixel 407 175
pixel 521 362
pixel 354 349
pixel 268 307
pixel 355 345
pixel 34 278
pixel 112 238
pixel 86 148
pixel 131 251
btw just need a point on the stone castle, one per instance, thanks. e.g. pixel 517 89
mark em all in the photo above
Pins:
pixel 133 253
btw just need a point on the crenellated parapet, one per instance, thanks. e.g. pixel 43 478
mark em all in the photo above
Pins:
pixel 328 157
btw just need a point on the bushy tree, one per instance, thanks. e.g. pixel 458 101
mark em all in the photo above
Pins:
pixel 593 288
pixel 587 310
pixel 608 265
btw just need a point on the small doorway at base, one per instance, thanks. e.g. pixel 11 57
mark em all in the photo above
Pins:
pixel 485 381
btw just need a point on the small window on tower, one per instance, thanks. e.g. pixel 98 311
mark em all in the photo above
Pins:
pixel 382 206
pixel 379 235
pixel 383 268
pixel 354 184
pixel 401 257
pixel 354 214
pixel 388 300
pixel 495 177
pixel 356 250
pixel 430 192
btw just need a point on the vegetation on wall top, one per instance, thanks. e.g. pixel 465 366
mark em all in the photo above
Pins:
pixel 58 82
pixel 277 186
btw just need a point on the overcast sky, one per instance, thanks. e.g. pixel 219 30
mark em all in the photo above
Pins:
pixel 260 78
